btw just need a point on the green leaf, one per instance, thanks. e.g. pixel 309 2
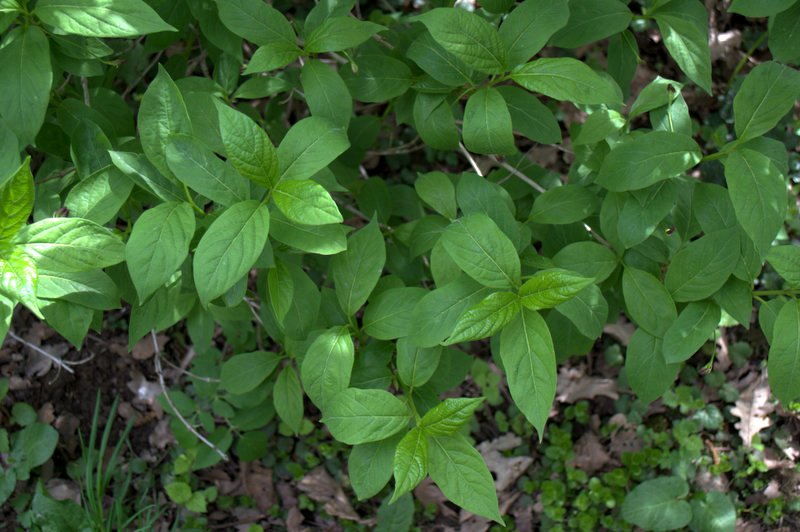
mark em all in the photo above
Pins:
pixel 327 366
pixel 760 8
pixel 783 361
pixel 433 120
pixel 18 279
pixel 256 22
pixel 438 63
pixel 158 245
pixel 356 271
pixel 100 196
pixel 197 167
pixel 178 492
pixel 783 32
pixel 449 416
pixel 482 251
pixel 460 472
pixel 767 93
pixel 390 314
pixel 6 312
pixel 339 33
pixel 309 146
pixel 93 289
pixel 272 56
pixel 16 202
pixel 528 27
pixel 695 324
pixel 529 116
pixel 564 205
pixel 701 267
pixel 714 513
pixel 281 289
pixel 485 318
pixel 357 416
pixel 736 299
pixel 34 445
pixel 588 311
pixel 326 94
pixel 27 78
pixel 643 210
pixel 410 462
pixel 529 359
pixel 648 302
pixel 370 466
pixel 320 239
pixel 684 27
pixel 436 189
pixel 379 78
pixel 162 114
pixel 306 202
pixel 416 365
pixel 646 159
pixel 248 147
pixel 287 396
pixel 437 312
pixel 101 18
pixel 590 21
pixel 244 372
pixel 786 261
pixel 589 259
pixel 229 248
pixel 599 125
pixel 649 375
pixel 565 78
pixel 758 194
pixel 145 175
pixel 468 37
pixel 657 504
pixel 549 288
pixel 487 124
pixel 70 245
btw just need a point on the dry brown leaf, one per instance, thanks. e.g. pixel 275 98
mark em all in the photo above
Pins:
pixel 506 469
pixel 144 349
pixel 321 487
pixel 257 481
pixel 574 385
pixel 620 331
pixel 753 408
pixel 590 455
pixel 294 520
pixel 429 493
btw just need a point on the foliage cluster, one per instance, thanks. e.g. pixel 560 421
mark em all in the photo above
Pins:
pixel 175 200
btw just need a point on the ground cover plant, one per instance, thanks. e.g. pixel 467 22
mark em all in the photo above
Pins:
pixel 376 222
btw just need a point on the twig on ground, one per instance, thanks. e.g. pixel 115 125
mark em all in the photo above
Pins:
pixel 57 361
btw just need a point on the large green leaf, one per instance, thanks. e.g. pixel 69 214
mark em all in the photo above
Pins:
pixel 786 261
pixel 93 289
pixel 328 365
pixel 244 372
pixel 357 416
pixel 767 93
pixel 306 202
pixel 648 373
pixel 142 172
pixel 320 239
pixel 390 314
pixel 410 462
pixel 695 324
pixel 158 245
pixel 784 29
pixel 18 279
pixel 589 259
pixel 551 287
pixel 256 21
pixel 658 504
pixel 437 313
pixel 529 360
pixel 486 318
pixel 287 396
pixel 101 18
pixel 564 205
pixel 438 63
pixel 16 202
pixel 527 28
pixel 27 78
pixel 356 271
pixel 379 78
pixel 648 302
pixel 487 124
pixel 370 466
pixel 326 94
pixel 100 196
pixel 229 248
pixel 646 159
pixel 309 146
pixel 684 28
pixel 784 354
pixel 590 21
pixel 482 251
pixel 434 121
pixel 588 311
pixel 248 147
pixel 449 416
pixel 529 116
pixel 760 8
pixel 565 78
pixel 702 266
pixel 468 37
pixel 339 33
pixel 416 365
pixel 70 245
pixel 436 189
pixel 460 472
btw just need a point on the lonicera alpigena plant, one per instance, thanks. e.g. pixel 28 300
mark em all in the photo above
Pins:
pixel 195 215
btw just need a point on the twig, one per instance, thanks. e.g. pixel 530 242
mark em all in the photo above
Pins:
pixel 85 86
pixel 189 427
pixel 141 76
pixel 57 361
pixel 471 159
pixel 189 373
pixel 513 171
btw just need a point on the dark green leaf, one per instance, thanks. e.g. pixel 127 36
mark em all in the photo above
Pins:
pixel 309 146
pixel 327 366
pixel 590 21
pixel 390 314
pixel 326 94
pixel 784 354
pixel 687 334
pixel 256 21
pixel 702 266
pixel 487 124
pixel 648 373
pixel 684 28
pixel 768 92
pixel 244 372
pixel 657 504
pixel 786 261
pixel 527 28
pixel 339 33
pixel 565 78
pixel 564 205
pixel 370 466
pixel 784 29
pixel 436 189
pixel 356 271
pixel 648 302
pixel 416 365
pixel 287 396
pixel 529 116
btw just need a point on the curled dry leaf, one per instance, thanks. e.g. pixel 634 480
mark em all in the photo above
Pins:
pixel 257 481
pixel 753 409
pixel 590 455
pixel 321 487
pixel 144 348
pixel 506 469
pixel 573 385
pixel 429 493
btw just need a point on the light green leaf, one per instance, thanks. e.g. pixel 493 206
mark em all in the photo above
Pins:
pixel 229 248
pixel 244 372
pixel 786 261
pixel 658 504
pixel 416 365
pixel 27 78
pixel 529 359
pixel 357 416
pixel 18 279
pixel 327 366
pixel 701 267
pixel 529 116
pixel 287 397
pixel 390 314
pixel 437 312
pixel 449 416
pixel 410 462
pixel 93 289
pixel 648 373
pixel 646 159
pixel 648 302
pixel 101 18
pixel 565 78
pixel 370 466
pixel 16 202
pixel 379 78
pixel 340 33
pixel 326 94
pixel 436 189
pixel 784 29
pixel 485 318
pixel 684 27
pixel 564 205
pixel 309 146
pixel 549 288
pixel 256 21
pixel 70 245
pixel 306 202
pixel 356 271
pixel 6 312
pixel 783 361
pixel 460 472
pixel 487 124
pixel 767 93
pixel 468 37
pixel 695 324
pixel 482 251
pixel 320 239
pixel 590 21
pixel 527 28
pixel 248 147
pixel 158 245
